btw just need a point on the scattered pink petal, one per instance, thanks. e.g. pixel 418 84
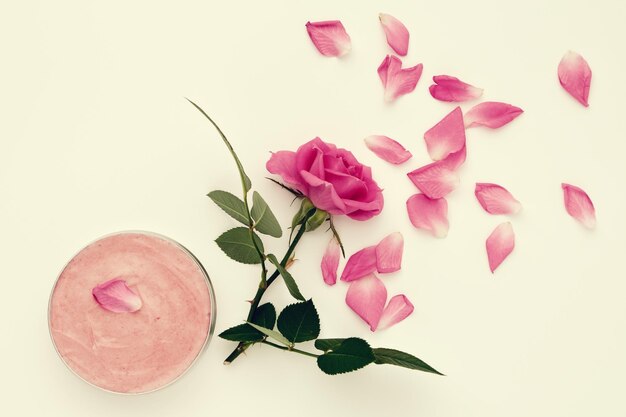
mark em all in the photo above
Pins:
pixel 389 253
pixel 500 244
pixel 396 33
pixel 491 114
pixel 447 136
pixel 579 205
pixel 430 215
pixel 447 88
pixel 367 297
pixel 360 264
pixel 454 160
pixel 435 180
pixel 398 308
pixel 387 149
pixel 330 262
pixel 496 199
pixel 575 76
pixel 398 81
pixel 329 37
pixel 114 295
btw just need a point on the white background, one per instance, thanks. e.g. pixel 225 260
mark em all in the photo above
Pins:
pixel 96 137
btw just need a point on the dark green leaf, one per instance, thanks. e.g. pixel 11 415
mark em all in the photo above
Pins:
pixel 287 277
pixel 242 333
pixel 299 322
pixel 350 355
pixel 398 358
pixel 265 221
pixel 264 316
pixel 237 244
pixel 273 334
pixel 245 181
pixel 232 205
pixel 328 344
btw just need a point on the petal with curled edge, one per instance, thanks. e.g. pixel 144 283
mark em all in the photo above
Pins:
pixel 447 88
pixel 114 295
pixel 360 264
pixel 398 308
pixel 435 180
pixel 575 76
pixel 396 80
pixel 491 114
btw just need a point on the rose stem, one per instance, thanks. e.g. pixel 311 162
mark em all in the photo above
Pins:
pixel 302 352
pixel 242 346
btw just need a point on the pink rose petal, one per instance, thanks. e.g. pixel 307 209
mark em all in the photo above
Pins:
pixel 398 81
pixel 367 297
pixel 387 149
pixel 435 180
pixel 491 114
pixel 360 264
pixel 447 136
pixel 389 253
pixel 329 37
pixel 114 295
pixel 500 244
pixel 454 160
pixel 430 215
pixel 447 88
pixel 496 199
pixel 575 76
pixel 398 308
pixel 330 262
pixel 396 33
pixel 579 205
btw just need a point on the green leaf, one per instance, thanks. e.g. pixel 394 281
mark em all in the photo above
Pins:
pixel 232 205
pixel 264 316
pixel 328 344
pixel 245 180
pixel 237 244
pixel 398 358
pixel 287 277
pixel 273 334
pixel 265 221
pixel 299 322
pixel 352 354
pixel 242 333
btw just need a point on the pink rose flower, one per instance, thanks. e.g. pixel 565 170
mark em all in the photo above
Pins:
pixel 331 178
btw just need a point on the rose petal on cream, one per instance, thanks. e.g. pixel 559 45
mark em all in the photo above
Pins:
pixel 496 199
pixel 428 214
pixel 500 244
pixel 387 149
pixel 447 88
pixel 397 34
pixel 491 114
pixel 579 205
pixel 367 297
pixel 447 136
pixel 575 76
pixel 398 308
pixel 398 81
pixel 330 261
pixel 389 253
pixel 435 180
pixel 454 160
pixel 360 264
pixel 114 295
pixel 329 37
